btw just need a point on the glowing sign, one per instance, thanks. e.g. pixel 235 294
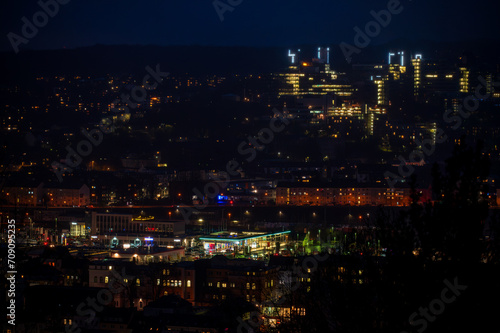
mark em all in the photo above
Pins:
pixel 148 239
pixel 390 55
pixel 402 57
pixel 292 55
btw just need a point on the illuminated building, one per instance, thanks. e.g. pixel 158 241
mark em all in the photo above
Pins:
pixel 244 242
pixel 102 274
pixel 417 75
pixel 381 83
pixel 426 131
pixel 52 195
pixel 464 80
pixel 299 195
pixel 208 281
pixel 314 77
pixel 435 78
pixel 66 195
pixel 453 102
pixel 22 195
pixel 250 280
pixel 77 229
pixel 427 78
pixel 122 230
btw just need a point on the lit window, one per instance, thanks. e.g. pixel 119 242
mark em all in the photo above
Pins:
pixel 138 282
pixel 106 279
pixel 188 284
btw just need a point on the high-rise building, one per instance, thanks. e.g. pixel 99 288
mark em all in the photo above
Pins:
pixel 381 82
pixel 314 77
pixel 464 79
pixel 417 75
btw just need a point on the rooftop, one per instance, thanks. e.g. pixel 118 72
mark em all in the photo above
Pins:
pixel 234 237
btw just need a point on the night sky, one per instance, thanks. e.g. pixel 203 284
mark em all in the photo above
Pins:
pixel 252 23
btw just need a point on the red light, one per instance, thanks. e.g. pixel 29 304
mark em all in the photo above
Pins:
pixel 45 243
pixel 231 202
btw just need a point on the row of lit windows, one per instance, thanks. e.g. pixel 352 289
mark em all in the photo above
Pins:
pixel 173 283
